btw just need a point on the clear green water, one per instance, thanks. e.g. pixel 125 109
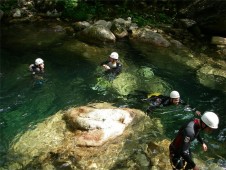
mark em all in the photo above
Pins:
pixel 69 80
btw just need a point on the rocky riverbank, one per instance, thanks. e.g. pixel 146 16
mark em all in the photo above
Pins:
pixel 96 136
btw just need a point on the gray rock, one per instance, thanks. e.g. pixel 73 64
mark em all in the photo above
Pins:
pixel 97 34
pixel 17 13
pixel 148 36
pixel 218 40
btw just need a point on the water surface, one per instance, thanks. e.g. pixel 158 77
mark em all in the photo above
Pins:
pixel 70 78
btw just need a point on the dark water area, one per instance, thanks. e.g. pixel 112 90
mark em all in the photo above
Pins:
pixel 70 78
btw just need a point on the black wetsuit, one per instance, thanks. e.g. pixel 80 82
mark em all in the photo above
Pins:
pixel 160 101
pixel 35 69
pixel 180 147
pixel 114 70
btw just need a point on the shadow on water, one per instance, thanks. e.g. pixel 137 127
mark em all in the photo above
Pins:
pixel 70 75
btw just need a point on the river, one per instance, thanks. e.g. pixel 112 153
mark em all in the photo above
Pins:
pixel 70 80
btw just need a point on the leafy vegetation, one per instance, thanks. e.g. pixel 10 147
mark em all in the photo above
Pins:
pixel 81 10
pixel 8 5
pixel 102 10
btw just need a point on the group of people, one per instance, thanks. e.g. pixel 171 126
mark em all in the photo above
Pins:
pixel 180 154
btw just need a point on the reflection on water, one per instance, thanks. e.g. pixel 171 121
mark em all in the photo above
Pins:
pixel 71 78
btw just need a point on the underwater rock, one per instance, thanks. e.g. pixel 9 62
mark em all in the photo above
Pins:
pixel 212 77
pixel 97 125
pixel 52 144
pixel 143 78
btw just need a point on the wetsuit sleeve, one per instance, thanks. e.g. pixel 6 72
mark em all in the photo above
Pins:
pixel 165 101
pixel 155 102
pixel 200 139
pixel 182 102
pixel 187 138
pixel 31 67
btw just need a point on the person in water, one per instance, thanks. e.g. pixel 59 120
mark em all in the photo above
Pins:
pixel 37 70
pixel 180 147
pixel 112 65
pixel 38 67
pixel 157 101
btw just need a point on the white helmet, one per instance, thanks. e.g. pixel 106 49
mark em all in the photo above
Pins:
pixel 210 119
pixel 39 61
pixel 114 55
pixel 174 94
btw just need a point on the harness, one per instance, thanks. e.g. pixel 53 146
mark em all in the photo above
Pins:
pixel 179 161
pixel 176 162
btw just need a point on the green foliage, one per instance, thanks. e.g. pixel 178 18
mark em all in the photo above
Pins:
pixel 8 5
pixel 143 17
pixel 81 10
pixel 69 8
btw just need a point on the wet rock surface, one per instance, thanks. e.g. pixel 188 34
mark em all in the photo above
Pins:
pixel 56 142
pixel 70 140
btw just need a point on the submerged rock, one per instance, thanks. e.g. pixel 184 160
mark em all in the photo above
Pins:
pixel 97 126
pixel 212 77
pixel 63 141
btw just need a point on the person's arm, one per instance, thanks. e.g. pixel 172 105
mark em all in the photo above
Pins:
pixel 105 65
pixel 204 146
pixel 154 101
pixel 187 107
pixel 31 69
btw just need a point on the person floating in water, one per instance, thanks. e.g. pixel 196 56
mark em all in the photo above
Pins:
pixel 38 67
pixel 157 101
pixel 180 147
pixel 112 65
pixel 37 71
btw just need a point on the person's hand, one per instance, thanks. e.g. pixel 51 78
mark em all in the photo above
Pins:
pixel 106 67
pixel 195 168
pixel 198 113
pixel 204 147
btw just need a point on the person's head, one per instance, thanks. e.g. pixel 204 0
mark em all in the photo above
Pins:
pixel 210 121
pixel 114 56
pixel 39 62
pixel 175 97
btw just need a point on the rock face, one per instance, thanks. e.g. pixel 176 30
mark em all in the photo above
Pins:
pixel 64 140
pixel 148 36
pixel 97 126
pixel 97 33
pixel 55 143
pixel 212 77
pixel 210 15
